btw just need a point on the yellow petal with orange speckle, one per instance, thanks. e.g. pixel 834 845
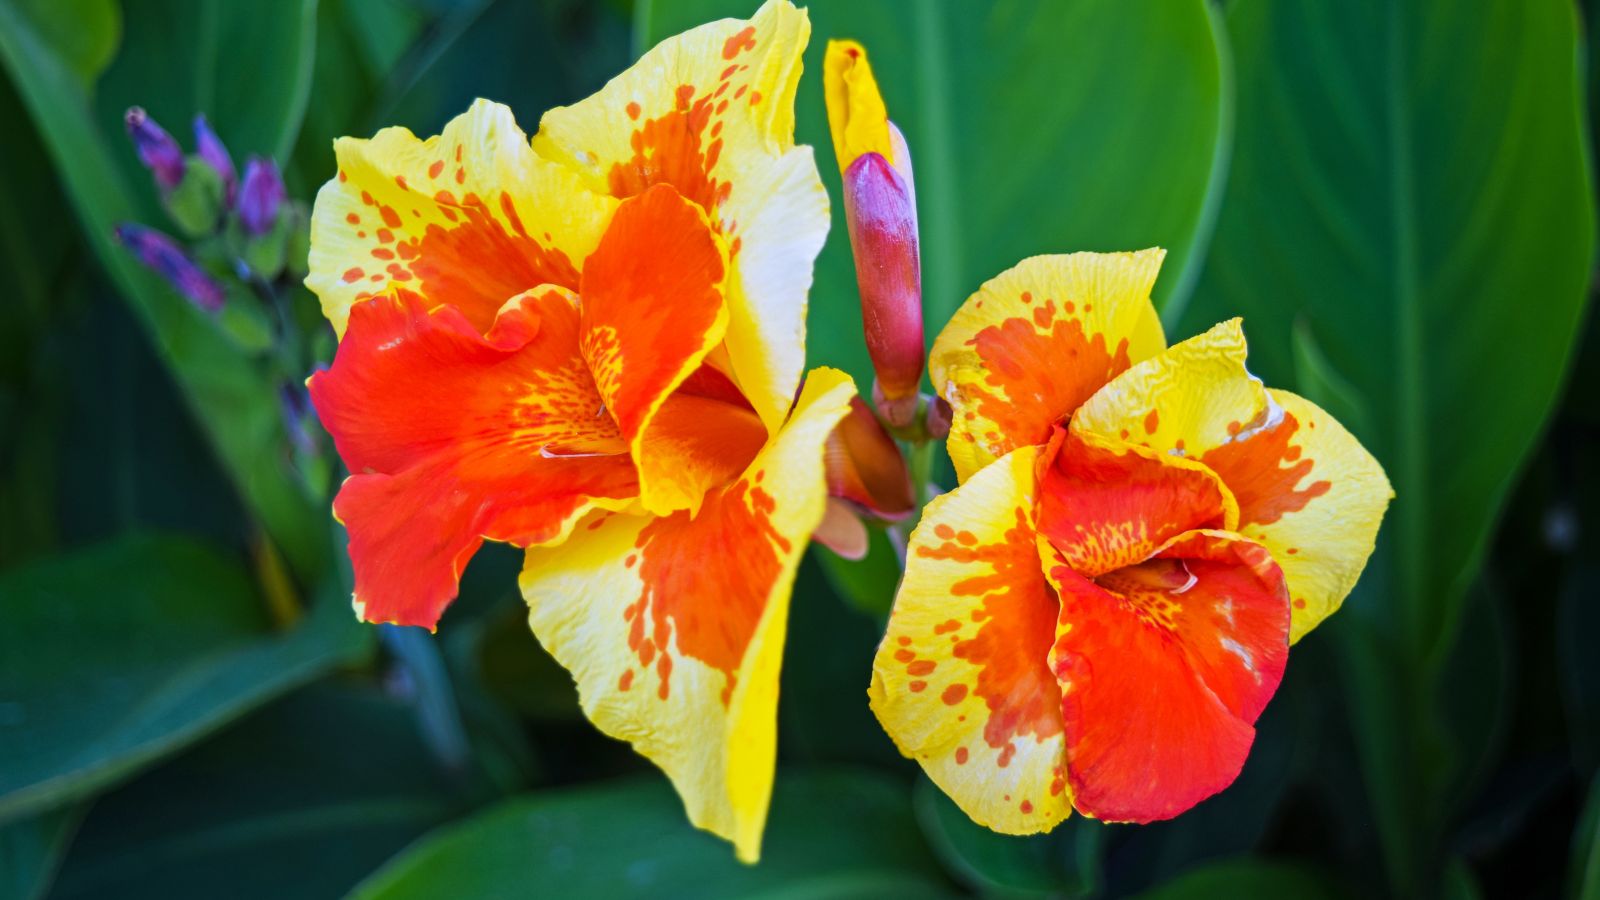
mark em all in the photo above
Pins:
pixel 472 215
pixel 1306 488
pixel 673 627
pixel 962 681
pixel 711 112
pixel 1036 341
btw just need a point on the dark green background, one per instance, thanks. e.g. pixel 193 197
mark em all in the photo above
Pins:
pixel 1396 196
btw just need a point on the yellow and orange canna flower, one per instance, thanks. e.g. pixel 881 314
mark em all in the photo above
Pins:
pixel 590 345
pixel 1097 615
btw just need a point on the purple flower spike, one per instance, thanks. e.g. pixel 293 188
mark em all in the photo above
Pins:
pixel 210 148
pixel 157 150
pixel 260 195
pixel 168 260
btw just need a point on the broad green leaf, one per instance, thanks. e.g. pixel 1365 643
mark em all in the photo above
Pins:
pixel 1428 217
pixel 31 850
pixel 831 834
pixel 83 33
pixel 1035 126
pixel 1409 180
pixel 1252 879
pixel 1064 863
pixel 247 66
pixel 231 395
pixel 114 656
pixel 302 799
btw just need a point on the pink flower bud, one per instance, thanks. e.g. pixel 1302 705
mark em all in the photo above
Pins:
pixel 882 219
pixel 157 150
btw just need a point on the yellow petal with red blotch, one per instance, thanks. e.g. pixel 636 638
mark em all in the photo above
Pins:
pixel 471 216
pixel 857 118
pixel 652 310
pixel 1035 342
pixel 673 627
pixel 711 112
pixel 1307 490
pixel 1313 496
pixel 962 681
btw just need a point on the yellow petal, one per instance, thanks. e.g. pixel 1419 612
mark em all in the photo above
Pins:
pixel 857 117
pixel 962 680
pixel 673 627
pixel 711 112
pixel 470 217
pixel 1307 490
pixel 1036 341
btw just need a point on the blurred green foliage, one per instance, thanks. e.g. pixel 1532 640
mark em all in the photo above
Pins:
pixel 1396 196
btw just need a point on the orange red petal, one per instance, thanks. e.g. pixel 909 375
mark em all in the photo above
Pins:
pixel 454 437
pixel 1164 667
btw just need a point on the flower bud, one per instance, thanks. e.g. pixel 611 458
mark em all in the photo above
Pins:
pixel 214 153
pixel 865 468
pixel 168 260
pixel 157 150
pixel 260 195
pixel 883 236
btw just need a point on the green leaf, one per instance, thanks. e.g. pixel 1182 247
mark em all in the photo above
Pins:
pixel 247 66
pixel 1397 192
pixel 82 33
pixel 1584 875
pixel 867 584
pixel 117 655
pixel 1035 126
pixel 1250 879
pixel 831 834
pixel 233 397
pixel 1064 863
pixel 301 799
pixel 1410 181
pixel 31 850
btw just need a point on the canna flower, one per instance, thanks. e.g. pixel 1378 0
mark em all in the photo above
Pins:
pixel 591 345
pixel 867 480
pixel 1096 616
pixel 881 214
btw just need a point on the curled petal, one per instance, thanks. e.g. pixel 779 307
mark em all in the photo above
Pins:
pixel 454 437
pixel 711 113
pixel 962 681
pixel 865 467
pixel 673 627
pixel 857 117
pixel 1105 504
pixel 1035 342
pixel 1164 667
pixel 652 311
pixel 1307 490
